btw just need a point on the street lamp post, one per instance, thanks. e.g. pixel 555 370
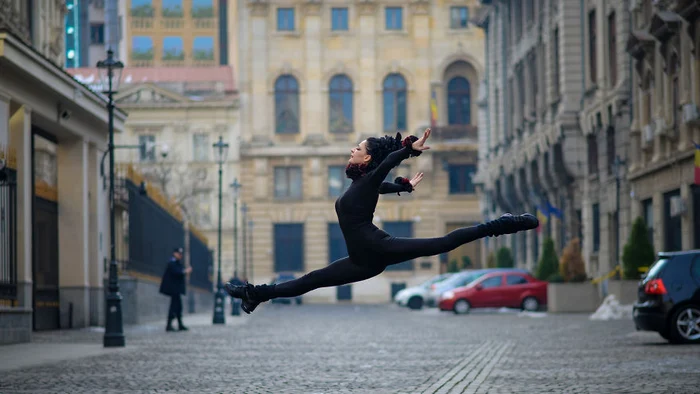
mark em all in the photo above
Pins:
pixel 244 212
pixel 220 152
pixel 110 71
pixel 250 246
pixel 235 187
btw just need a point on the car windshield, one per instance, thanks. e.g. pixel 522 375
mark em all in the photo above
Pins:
pixel 436 279
pixel 656 268
pixel 462 279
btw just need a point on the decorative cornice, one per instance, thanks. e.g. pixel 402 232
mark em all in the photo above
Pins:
pixel 258 7
pixel 312 7
pixel 367 7
pixel 420 7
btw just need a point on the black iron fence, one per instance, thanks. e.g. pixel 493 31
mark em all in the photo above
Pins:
pixel 201 262
pixel 153 232
pixel 8 238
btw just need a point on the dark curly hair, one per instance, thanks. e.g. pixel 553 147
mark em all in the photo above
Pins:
pixel 379 148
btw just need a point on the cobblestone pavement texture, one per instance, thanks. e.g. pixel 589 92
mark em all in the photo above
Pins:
pixel 370 349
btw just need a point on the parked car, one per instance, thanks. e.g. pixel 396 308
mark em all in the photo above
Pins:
pixel 414 297
pixel 668 299
pixel 509 289
pixel 281 278
pixel 460 279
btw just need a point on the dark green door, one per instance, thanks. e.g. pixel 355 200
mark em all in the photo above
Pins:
pixel 337 250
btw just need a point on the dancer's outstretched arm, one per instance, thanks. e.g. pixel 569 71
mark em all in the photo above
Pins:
pixel 401 185
pixel 411 147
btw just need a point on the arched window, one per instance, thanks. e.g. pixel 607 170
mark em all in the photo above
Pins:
pixel 340 104
pixel 458 101
pixel 394 103
pixel 286 105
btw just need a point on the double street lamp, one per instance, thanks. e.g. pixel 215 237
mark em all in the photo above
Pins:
pixel 220 152
pixel 110 74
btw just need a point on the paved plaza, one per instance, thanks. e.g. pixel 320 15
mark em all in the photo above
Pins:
pixel 359 349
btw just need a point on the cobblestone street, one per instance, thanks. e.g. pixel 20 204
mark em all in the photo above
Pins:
pixel 362 349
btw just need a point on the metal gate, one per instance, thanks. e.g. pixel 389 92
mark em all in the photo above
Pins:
pixel 8 238
pixel 337 250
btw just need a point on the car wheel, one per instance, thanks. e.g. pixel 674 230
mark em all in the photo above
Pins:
pixel 461 307
pixel 530 304
pixel 685 325
pixel 415 303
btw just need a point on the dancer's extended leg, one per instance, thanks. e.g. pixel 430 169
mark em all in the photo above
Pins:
pixel 340 272
pixel 403 249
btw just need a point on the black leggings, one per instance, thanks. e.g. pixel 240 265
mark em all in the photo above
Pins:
pixel 394 250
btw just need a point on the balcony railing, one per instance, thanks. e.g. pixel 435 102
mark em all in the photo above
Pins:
pixel 204 23
pixel 141 22
pixel 172 23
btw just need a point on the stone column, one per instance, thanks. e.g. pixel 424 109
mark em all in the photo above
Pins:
pixel 687 218
pixel 313 106
pixel 368 105
pixel 21 145
pixel 98 220
pixel 419 103
pixel 73 232
pixel 260 97
pixel 4 126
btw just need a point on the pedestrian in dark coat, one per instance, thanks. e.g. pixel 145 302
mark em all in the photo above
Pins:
pixel 173 285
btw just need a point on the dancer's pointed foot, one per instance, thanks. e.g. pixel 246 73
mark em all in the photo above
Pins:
pixel 510 224
pixel 246 293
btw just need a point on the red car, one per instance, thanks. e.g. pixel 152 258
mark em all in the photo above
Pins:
pixel 496 290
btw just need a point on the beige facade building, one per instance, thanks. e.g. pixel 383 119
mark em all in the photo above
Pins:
pixel 315 79
pixel 534 146
pixel 175 116
pixel 666 96
pixel 53 131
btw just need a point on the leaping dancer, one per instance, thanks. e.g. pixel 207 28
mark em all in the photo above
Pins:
pixel 371 249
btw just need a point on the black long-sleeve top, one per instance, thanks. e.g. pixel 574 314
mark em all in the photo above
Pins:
pixel 355 208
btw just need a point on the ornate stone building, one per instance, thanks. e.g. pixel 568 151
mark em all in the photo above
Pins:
pixel 666 95
pixel 53 131
pixel 533 148
pixel 315 79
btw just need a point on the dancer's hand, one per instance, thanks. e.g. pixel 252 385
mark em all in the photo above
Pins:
pixel 418 145
pixel 416 179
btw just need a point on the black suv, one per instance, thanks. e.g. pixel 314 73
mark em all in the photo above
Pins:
pixel 668 300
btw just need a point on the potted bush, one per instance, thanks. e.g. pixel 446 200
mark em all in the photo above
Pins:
pixel 547 266
pixel 504 259
pixel 638 252
pixel 573 293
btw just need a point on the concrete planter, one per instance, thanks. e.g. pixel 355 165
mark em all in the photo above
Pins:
pixel 624 290
pixel 572 297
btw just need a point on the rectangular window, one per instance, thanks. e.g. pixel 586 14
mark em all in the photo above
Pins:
pixel 555 60
pixel 148 147
pixel 285 19
pixel 648 216
pixel 338 182
pixel 612 49
pixel 339 19
pixel 459 17
pixel 461 178
pixel 288 182
pixel 673 232
pixel 592 42
pixel 592 142
pixel 394 18
pixel 200 147
pixel 596 227
pixel 404 230
pixel 610 149
pixel 97 33
pixel 289 247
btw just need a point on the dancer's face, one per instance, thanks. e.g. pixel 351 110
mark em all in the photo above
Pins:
pixel 358 154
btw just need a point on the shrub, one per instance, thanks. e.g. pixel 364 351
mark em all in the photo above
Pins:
pixel 638 252
pixel 555 278
pixel 504 259
pixel 571 265
pixel 491 260
pixel 452 266
pixel 548 263
pixel 466 262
